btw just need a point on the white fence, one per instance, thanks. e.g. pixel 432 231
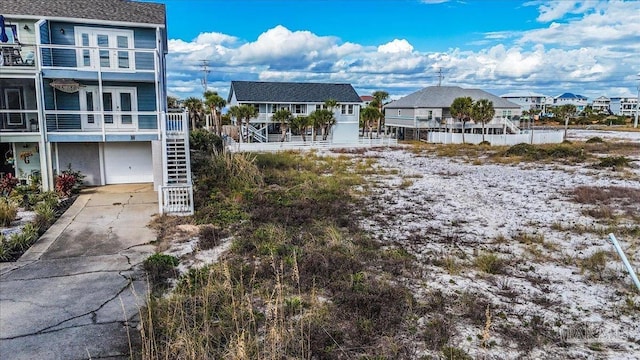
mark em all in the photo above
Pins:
pixel 176 200
pixel 529 137
pixel 308 145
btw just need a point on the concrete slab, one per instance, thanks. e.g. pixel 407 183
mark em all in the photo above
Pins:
pixel 69 296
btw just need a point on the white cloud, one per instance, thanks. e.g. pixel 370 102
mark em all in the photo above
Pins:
pixel 594 52
pixel 434 1
pixel 396 46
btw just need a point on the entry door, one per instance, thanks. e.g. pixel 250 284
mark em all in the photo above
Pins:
pixel 119 107
pixel 104 48
pixel 13 101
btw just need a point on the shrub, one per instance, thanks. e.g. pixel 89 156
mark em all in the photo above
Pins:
pixel 522 149
pixel 613 162
pixel 454 353
pixel 209 237
pixel 45 215
pixel 205 140
pixel 8 212
pixel 6 252
pixel 490 263
pixel 7 183
pixel 65 184
pixel 595 140
pixel 160 267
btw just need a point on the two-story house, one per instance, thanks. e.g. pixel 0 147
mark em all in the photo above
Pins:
pixel 430 109
pixel 301 99
pixel 83 86
pixel 624 106
pixel 527 100
pixel 579 101
pixel 601 105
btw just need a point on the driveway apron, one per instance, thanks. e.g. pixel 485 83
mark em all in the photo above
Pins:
pixel 77 292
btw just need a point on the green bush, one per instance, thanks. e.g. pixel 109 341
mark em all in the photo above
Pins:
pixel 45 215
pixel 490 263
pixel 160 267
pixel 595 140
pixel 613 162
pixel 8 212
pixel 521 149
pixel 205 140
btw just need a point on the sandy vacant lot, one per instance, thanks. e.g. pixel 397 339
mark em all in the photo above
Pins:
pixel 518 268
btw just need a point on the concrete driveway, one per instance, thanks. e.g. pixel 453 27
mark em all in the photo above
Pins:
pixel 76 293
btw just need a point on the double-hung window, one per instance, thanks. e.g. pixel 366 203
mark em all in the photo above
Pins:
pixel 107 49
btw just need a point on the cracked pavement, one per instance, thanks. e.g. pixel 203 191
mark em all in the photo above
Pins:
pixel 77 292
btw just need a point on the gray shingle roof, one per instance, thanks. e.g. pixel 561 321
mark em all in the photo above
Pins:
pixel 266 92
pixel 109 10
pixel 443 96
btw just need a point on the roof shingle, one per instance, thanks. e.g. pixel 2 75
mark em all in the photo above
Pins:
pixel 108 10
pixel 274 92
pixel 443 96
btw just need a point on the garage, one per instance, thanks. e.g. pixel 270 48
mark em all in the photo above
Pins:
pixel 129 162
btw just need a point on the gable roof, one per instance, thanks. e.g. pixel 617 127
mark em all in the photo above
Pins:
pixel 108 10
pixel 295 92
pixel 366 98
pixel 443 96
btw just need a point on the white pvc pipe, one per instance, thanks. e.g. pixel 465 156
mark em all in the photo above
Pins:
pixel 624 260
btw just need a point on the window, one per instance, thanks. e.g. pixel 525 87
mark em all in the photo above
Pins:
pixel 119 107
pixel 430 115
pixel 346 109
pixel 104 48
pixel 13 101
pixel 299 109
pixel 399 112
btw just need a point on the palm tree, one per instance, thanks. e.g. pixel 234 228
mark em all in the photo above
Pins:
pixel 322 119
pixel 461 110
pixel 379 97
pixel 284 117
pixel 300 124
pixel 565 112
pixel 173 102
pixel 215 103
pixel 331 104
pixel 195 107
pixel 482 110
pixel 369 114
pixel 244 112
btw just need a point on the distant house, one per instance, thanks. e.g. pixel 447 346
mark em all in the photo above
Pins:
pixel 366 100
pixel 429 109
pixel 579 101
pixel 624 106
pixel 82 84
pixel 301 99
pixel 601 105
pixel 527 100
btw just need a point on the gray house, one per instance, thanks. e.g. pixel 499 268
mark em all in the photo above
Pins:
pixel 301 99
pixel 429 109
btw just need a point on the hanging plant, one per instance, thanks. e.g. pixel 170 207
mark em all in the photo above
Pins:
pixel 25 155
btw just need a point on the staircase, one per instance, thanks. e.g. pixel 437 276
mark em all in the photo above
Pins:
pixel 175 196
pixel 258 135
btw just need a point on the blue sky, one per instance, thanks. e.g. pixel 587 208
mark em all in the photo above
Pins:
pixel 548 47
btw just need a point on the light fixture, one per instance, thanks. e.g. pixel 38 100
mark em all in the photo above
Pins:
pixel 62 31
pixel 26 27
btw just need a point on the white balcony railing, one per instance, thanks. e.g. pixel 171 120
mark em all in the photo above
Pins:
pixel 19 121
pixel 93 58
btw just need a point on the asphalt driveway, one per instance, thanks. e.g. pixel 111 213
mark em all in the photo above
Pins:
pixel 77 292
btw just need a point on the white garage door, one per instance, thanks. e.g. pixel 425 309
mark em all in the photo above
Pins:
pixel 128 162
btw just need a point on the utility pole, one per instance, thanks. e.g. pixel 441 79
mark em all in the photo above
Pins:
pixel 440 77
pixel 205 72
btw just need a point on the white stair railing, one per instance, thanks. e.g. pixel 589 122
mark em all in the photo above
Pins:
pixel 175 196
pixel 260 135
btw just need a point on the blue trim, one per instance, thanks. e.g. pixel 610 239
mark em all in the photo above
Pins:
pixel 93 75
pixel 70 138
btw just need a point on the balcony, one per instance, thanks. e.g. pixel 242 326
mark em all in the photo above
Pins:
pixel 101 122
pixel 93 63
pixel 19 121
